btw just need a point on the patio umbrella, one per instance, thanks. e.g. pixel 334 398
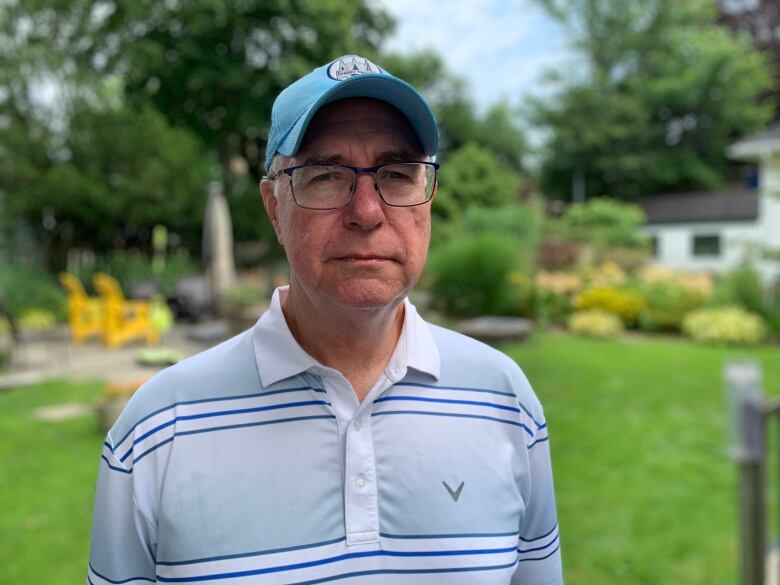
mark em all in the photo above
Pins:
pixel 218 243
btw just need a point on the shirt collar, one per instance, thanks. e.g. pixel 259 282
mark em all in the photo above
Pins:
pixel 279 356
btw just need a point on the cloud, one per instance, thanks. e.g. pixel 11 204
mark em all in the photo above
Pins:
pixel 501 48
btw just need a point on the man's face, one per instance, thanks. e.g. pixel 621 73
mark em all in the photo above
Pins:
pixel 366 254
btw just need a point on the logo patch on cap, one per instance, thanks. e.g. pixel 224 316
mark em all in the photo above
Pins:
pixel 351 66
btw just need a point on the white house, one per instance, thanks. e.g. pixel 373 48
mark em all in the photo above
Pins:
pixel 715 231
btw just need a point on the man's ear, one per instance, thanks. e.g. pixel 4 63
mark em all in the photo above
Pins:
pixel 271 204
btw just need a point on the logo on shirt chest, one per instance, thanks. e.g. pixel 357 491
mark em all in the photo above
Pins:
pixel 454 494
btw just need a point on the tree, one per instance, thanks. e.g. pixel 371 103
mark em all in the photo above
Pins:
pixel 665 94
pixel 200 75
pixel 473 176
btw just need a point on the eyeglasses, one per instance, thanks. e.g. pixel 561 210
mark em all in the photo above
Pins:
pixel 332 186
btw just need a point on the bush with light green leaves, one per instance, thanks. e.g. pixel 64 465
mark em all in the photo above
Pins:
pixel 724 326
pixel 595 323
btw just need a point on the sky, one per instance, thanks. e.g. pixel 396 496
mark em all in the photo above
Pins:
pixel 501 47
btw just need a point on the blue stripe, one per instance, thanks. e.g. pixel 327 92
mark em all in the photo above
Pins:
pixel 89 581
pixel 468 389
pixel 228 427
pixel 538 548
pixel 404 572
pixel 91 568
pixel 446 401
pixel 122 469
pixel 455 388
pixel 542 440
pixel 253 554
pixel 344 557
pixel 202 400
pixel 547 556
pixel 464 535
pixel 501 420
pixel 545 535
pixel 220 413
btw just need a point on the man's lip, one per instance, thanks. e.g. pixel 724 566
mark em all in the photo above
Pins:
pixel 362 257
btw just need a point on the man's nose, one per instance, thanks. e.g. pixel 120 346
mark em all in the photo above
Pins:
pixel 365 210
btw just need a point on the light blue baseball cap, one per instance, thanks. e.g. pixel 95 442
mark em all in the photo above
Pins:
pixel 346 77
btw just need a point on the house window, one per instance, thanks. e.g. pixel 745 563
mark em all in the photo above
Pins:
pixel 706 245
pixel 654 246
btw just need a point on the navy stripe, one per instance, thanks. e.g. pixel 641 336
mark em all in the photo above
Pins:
pixel 89 581
pixel 538 548
pixel 545 535
pixel 122 469
pixel 455 388
pixel 501 420
pixel 468 389
pixel 150 432
pixel 446 401
pixel 542 440
pixel 547 556
pixel 228 427
pixel 91 568
pixel 202 400
pixel 344 557
pixel 404 572
pixel 464 535
pixel 253 554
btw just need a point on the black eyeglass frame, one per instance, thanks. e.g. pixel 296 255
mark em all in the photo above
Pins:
pixel 358 171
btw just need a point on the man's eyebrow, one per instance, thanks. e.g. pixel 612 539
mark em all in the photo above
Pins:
pixel 397 156
pixel 323 159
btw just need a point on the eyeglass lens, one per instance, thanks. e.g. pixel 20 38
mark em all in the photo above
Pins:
pixel 328 187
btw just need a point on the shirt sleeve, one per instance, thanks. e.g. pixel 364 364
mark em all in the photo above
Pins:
pixel 538 549
pixel 122 549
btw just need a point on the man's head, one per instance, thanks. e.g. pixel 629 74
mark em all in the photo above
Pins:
pixel 368 249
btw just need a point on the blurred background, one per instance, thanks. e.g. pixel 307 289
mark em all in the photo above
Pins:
pixel 609 196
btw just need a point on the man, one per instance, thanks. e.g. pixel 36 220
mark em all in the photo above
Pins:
pixel 342 438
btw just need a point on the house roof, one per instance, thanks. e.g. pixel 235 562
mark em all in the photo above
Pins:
pixel 701 206
pixel 757 146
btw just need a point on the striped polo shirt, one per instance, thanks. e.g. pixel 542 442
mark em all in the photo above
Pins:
pixel 252 463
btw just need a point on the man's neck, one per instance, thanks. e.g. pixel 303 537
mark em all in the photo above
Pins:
pixel 356 342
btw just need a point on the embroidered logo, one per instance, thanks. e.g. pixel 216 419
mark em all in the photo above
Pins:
pixel 454 494
pixel 351 66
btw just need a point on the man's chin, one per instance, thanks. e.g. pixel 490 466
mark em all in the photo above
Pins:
pixel 368 294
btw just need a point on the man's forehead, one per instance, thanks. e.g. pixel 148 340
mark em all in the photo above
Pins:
pixel 360 116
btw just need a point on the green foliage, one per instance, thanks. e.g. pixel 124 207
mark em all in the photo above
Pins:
pixel 110 191
pixel 725 326
pixel 470 275
pixel 604 223
pixel 521 221
pixel 24 288
pixel 473 176
pixel 743 287
pixel 667 305
pixel 133 267
pixel 595 323
pixel 666 93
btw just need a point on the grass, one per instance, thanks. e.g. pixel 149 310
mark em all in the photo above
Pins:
pixel 646 494
pixel 47 483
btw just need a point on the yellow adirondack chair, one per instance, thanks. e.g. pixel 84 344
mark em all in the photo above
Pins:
pixel 123 320
pixel 85 314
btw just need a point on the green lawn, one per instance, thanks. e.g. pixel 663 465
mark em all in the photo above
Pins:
pixel 645 492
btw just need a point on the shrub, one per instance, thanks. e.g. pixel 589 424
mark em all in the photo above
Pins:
pixel 522 222
pixel 626 304
pixel 132 268
pixel 667 305
pixel 604 222
pixel 24 287
pixel 470 276
pixel 557 254
pixel 595 323
pixel 724 325
pixel 741 286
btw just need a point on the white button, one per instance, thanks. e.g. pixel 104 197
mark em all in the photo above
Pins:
pixel 360 483
pixel 357 425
